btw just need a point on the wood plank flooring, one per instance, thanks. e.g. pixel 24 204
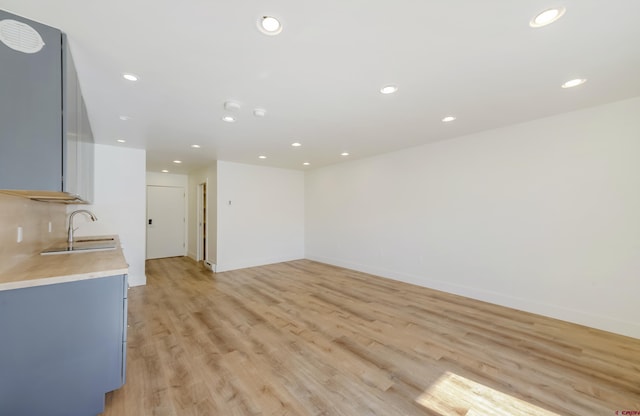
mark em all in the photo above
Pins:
pixel 304 338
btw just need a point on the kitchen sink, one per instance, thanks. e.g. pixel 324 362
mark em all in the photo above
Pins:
pixel 74 249
pixel 90 239
pixel 83 245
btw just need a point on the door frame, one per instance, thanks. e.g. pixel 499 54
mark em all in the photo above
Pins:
pixel 201 216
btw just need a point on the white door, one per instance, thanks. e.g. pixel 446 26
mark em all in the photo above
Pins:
pixel 165 222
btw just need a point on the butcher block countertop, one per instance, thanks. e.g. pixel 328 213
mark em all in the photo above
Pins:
pixel 39 270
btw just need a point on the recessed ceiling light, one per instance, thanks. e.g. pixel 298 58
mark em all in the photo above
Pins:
pixel 547 17
pixel 344 154
pixel 125 118
pixel 228 119
pixel 296 144
pixel 259 112
pixel 195 146
pixel 121 141
pixel 262 157
pixel 177 161
pixel 130 77
pixel 231 106
pixel 574 83
pixel 448 119
pixel 389 89
pixel 269 25
pixel 306 163
pixel 165 171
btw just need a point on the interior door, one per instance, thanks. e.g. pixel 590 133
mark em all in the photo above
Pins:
pixel 165 222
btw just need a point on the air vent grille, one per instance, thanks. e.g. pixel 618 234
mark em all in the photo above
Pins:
pixel 20 36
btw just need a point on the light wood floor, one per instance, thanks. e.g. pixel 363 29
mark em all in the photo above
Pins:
pixel 303 338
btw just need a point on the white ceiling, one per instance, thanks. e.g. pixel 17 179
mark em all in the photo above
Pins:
pixel 319 79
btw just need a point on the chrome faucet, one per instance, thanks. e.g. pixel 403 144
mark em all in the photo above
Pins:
pixel 71 229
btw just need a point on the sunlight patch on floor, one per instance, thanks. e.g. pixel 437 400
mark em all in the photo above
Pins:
pixel 452 393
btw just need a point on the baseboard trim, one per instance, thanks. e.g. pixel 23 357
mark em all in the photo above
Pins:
pixel 604 323
pixel 221 267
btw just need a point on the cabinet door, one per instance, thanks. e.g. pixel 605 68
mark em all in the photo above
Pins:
pixel 31 113
pixel 86 149
pixel 79 145
pixel 61 348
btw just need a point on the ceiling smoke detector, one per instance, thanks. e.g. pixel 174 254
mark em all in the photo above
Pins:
pixel 20 36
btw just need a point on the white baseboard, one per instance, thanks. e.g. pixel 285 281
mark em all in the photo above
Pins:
pixel 255 262
pixel 605 323
pixel 140 280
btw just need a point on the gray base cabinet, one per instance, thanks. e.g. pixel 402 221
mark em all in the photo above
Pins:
pixel 62 347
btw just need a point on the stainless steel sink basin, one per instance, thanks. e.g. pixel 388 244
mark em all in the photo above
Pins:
pixel 91 239
pixel 74 249
pixel 83 245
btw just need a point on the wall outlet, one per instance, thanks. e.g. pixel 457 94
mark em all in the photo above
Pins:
pixel 210 266
pixel 19 239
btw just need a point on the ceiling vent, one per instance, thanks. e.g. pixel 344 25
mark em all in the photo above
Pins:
pixel 20 36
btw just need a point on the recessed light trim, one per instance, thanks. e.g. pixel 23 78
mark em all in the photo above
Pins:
pixel 231 106
pixel 344 154
pixel 448 119
pixel 574 83
pixel 229 119
pixel 130 77
pixel 121 140
pixel 125 118
pixel 259 112
pixel 269 25
pixel 196 146
pixel 164 171
pixel 296 144
pixel 389 89
pixel 547 17
pixel 262 157
pixel 177 162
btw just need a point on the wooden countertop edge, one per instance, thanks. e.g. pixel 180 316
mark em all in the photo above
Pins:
pixel 21 284
pixel 36 270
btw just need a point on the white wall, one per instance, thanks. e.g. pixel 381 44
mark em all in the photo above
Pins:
pixel 167 179
pixel 206 175
pixel 542 216
pixel 260 215
pixel 120 204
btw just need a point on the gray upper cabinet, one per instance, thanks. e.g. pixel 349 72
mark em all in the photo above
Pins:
pixel 78 149
pixel 46 144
